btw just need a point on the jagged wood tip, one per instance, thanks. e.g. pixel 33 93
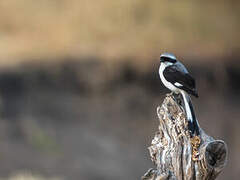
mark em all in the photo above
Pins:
pixel 179 156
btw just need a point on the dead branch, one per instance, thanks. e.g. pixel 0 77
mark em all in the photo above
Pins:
pixel 177 155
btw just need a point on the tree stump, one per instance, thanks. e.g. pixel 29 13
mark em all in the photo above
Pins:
pixel 177 155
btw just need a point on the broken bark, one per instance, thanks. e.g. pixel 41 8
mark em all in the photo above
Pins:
pixel 177 155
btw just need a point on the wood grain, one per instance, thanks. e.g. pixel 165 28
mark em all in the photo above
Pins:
pixel 176 155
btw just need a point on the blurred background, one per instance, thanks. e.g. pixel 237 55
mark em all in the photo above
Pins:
pixel 79 83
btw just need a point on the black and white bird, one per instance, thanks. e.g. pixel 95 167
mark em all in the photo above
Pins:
pixel 175 77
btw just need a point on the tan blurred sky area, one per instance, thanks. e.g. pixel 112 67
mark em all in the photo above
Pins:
pixel 47 30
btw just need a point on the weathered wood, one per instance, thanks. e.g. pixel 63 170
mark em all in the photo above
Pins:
pixel 177 155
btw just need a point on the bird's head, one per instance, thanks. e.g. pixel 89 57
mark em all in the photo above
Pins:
pixel 168 58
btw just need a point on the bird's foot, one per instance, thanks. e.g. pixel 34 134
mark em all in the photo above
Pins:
pixel 178 98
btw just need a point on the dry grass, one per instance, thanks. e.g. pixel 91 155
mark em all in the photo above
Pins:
pixel 116 29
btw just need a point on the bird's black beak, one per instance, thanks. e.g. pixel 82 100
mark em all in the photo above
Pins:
pixel 161 59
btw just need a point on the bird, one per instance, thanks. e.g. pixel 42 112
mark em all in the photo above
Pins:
pixel 176 78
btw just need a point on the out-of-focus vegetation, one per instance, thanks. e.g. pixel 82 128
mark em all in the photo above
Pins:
pixel 113 30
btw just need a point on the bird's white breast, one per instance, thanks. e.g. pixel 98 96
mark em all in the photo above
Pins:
pixel 164 81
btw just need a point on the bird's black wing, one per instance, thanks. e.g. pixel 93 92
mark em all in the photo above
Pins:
pixel 176 76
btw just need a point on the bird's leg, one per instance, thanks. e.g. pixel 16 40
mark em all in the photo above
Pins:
pixel 178 98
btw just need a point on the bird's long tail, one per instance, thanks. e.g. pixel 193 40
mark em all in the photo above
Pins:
pixel 192 122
